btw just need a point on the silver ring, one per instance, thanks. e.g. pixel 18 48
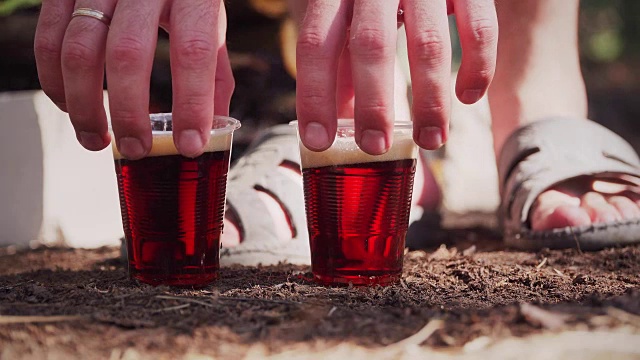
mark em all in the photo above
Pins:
pixel 98 15
pixel 400 16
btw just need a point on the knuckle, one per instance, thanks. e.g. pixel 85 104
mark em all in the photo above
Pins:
pixel 311 99
pixel 46 50
pixel 484 33
pixel 77 55
pixel 198 108
pixel 125 120
pixel 376 112
pixel 375 107
pixel 428 46
pixel 196 52
pixel 127 52
pixel 310 43
pixel 372 44
pixel 433 110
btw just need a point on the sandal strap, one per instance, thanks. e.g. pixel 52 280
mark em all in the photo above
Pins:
pixel 547 152
pixel 260 170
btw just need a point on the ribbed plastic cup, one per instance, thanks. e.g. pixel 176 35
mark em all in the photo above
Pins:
pixel 173 206
pixel 357 207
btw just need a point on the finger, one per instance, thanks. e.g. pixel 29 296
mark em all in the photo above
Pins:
pixel 478 28
pixel 625 206
pixel 194 51
pixel 429 49
pixel 372 44
pixel 320 42
pixel 224 76
pixel 83 53
pixel 52 25
pixel 130 50
pixel 599 210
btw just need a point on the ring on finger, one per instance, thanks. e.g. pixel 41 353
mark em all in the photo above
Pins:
pixel 92 13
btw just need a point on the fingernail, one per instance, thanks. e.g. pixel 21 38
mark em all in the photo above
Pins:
pixel 316 136
pixel 430 137
pixel 190 143
pixel 373 142
pixel 131 148
pixel 91 141
pixel 471 96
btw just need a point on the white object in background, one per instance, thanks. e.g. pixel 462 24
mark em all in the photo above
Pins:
pixel 470 175
pixel 51 188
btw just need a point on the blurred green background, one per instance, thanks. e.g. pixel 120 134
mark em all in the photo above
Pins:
pixel 609 39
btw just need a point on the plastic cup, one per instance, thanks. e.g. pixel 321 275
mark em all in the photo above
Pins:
pixel 173 206
pixel 357 207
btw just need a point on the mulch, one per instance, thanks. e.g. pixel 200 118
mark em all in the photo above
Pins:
pixel 61 303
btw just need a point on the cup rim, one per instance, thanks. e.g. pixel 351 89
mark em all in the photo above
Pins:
pixel 226 124
pixel 347 123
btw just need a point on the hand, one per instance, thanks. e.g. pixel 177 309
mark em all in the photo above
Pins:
pixel 71 54
pixel 358 37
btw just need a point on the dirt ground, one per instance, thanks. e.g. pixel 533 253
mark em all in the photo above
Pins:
pixel 468 299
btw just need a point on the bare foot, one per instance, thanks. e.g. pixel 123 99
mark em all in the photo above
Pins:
pixel 583 202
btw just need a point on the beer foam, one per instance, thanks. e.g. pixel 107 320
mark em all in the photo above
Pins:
pixel 345 151
pixel 163 144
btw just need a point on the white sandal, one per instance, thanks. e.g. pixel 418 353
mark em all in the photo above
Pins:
pixel 260 170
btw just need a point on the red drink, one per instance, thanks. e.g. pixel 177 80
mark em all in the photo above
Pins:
pixel 172 211
pixel 358 216
pixel 358 208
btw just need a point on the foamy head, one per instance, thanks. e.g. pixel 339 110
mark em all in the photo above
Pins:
pixel 163 145
pixel 345 151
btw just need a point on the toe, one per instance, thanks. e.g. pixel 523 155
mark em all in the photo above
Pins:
pixel 560 217
pixel 627 208
pixel 599 210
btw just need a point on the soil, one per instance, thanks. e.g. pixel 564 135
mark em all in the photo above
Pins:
pixel 473 291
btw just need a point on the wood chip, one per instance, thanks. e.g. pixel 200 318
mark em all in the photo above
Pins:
pixel 421 336
pixel 547 319
pixel 560 273
pixel 542 263
pixel 470 251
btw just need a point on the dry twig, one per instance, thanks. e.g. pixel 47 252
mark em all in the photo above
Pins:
pixel 37 319
pixel 172 308
pixel 189 300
